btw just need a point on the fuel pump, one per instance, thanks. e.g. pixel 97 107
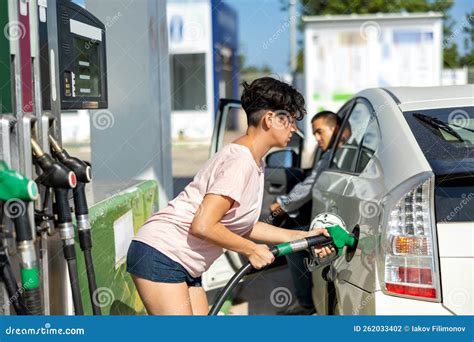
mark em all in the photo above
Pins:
pixel 84 175
pixel 61 180
pixel 17 191
pixel 73 72
pixel 70 75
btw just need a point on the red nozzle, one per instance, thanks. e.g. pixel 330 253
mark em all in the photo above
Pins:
pixel 72 179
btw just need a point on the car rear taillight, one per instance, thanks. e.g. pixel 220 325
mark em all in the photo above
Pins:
pixel 409 257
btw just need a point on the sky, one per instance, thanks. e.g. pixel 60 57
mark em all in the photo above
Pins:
pixel 259 20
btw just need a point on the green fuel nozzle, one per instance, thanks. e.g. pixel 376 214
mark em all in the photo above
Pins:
pixel 17 190
pixel 339 239
pixel 13 185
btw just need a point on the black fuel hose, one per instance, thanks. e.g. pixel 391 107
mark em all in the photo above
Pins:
pixel 9 280
pixel 84 175
pixel 278 250
pixel 30 277
pixel 63 212
pixel 85 242
pixel 70 256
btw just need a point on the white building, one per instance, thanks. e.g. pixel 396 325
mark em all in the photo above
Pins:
pixel 347 53
pixel 204 63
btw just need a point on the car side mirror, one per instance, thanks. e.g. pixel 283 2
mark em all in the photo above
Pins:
pixel 281 159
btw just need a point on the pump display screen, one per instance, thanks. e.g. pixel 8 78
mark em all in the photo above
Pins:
pixel 86 78
pixel 82 59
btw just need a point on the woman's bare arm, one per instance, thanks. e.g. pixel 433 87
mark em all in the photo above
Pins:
pixel 206 225
pixel 267 233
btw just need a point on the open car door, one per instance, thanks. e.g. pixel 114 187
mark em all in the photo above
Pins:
pixel 282 172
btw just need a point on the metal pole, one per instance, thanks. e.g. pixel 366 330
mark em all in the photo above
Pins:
pixel 293 47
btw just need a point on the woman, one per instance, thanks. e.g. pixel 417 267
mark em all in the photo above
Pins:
pixel 218 209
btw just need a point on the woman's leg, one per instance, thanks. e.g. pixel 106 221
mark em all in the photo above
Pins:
pixel 164 298
pixel 198 300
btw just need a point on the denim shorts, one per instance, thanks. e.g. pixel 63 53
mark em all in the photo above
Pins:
pixel 148 263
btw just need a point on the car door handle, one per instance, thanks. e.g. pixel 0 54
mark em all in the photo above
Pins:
pixel 276 188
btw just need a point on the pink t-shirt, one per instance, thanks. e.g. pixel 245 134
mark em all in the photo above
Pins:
pixel 231 172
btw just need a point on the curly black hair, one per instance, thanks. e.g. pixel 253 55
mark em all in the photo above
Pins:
pixel 267 93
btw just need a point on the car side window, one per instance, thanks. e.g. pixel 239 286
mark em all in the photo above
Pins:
pixel 350 138
pixel 369 144
pixel 342 113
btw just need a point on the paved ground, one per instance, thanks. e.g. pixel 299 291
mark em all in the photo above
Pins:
pixel 188 158
pixel 264 293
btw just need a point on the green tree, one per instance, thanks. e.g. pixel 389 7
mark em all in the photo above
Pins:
pixel 252 69
pixel 323 7
pixel 451 56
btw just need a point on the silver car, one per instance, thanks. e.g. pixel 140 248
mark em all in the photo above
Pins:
pixel 404 180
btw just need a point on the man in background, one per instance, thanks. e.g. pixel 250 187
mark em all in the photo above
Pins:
pixel 325 126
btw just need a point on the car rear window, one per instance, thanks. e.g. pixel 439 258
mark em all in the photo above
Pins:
pixel 446 137
pixel 454 200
